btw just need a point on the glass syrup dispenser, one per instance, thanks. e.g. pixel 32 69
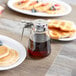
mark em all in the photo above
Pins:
pixel 39 42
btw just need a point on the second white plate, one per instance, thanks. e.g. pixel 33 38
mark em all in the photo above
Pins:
pixel 67 39
pixel 14 45
pixel 66 6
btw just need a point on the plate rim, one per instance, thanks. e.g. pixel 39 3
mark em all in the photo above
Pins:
pixel 68 39
pixel 13 65
pixel 39 14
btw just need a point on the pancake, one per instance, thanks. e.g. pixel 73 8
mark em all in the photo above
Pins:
pixel 10 59
pixel 30 5
pixel 53 24
pixel 57 34
pixel 20 4
pixel 66 26
pixel 26 4
pixel 54 34
pixel 38 6
pixel 4 51
pixel 62 25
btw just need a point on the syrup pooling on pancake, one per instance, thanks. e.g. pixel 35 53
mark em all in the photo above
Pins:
pixel 10 59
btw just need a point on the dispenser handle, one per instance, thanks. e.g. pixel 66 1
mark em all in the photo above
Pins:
pixel 26 25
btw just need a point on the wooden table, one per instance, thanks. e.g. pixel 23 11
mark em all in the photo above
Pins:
pixel 31 67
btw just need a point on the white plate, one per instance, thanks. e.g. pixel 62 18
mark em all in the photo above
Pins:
pixel 67 7
pixel 66 39
pixel 15 45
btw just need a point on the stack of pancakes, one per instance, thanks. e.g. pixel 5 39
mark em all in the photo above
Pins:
pixel 37 6
pixel 61 29
pixel 8 56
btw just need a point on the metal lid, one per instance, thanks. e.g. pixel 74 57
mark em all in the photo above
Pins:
pixel 40 25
